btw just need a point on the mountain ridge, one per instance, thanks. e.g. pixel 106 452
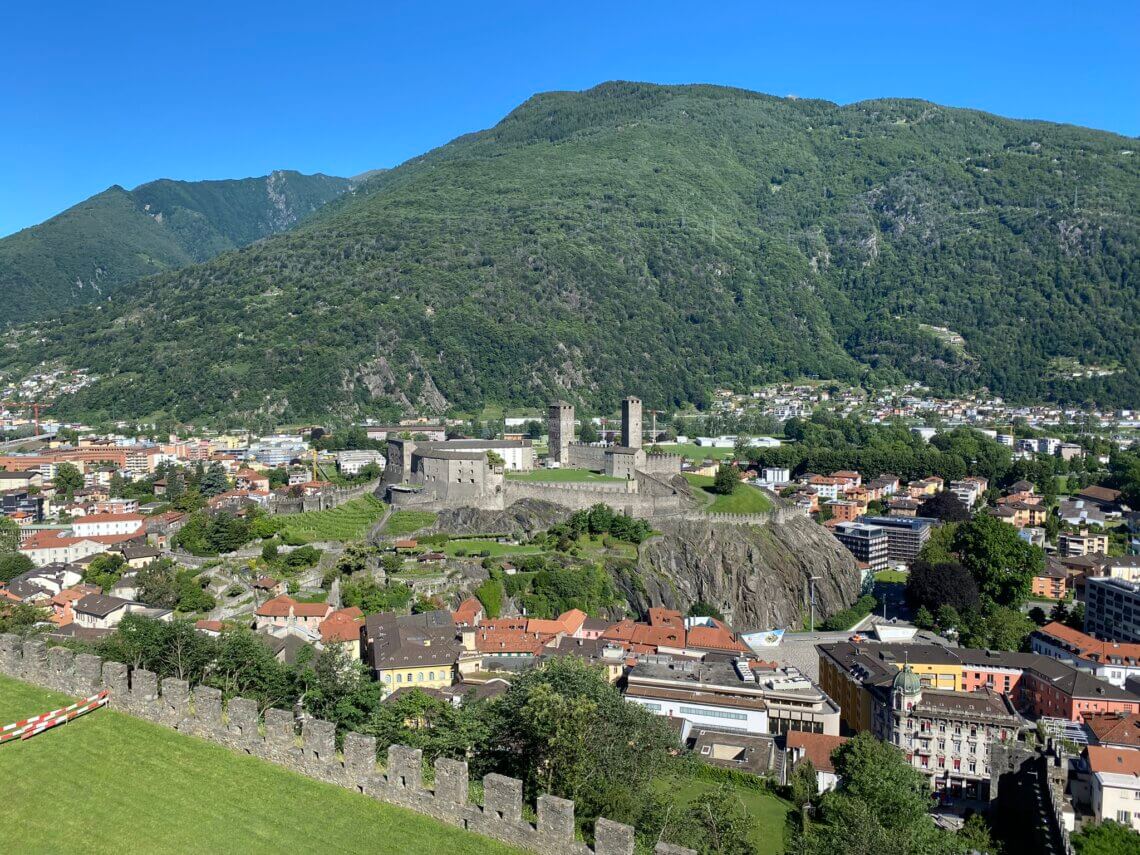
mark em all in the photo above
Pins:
pixel 118 236
pixel 663 240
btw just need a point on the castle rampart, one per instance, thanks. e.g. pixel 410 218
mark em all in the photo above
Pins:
pixel 274 737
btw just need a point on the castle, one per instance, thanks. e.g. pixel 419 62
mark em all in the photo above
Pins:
pixel 459 472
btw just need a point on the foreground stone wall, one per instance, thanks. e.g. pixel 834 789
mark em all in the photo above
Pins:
pixel 312 751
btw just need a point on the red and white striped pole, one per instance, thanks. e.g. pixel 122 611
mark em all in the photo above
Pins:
pixel 38 724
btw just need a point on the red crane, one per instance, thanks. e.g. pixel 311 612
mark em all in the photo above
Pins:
pixel 34 406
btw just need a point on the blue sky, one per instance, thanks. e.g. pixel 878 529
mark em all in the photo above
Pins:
pixel 95 94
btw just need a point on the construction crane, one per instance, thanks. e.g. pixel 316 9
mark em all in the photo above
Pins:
pixel 653 434
pixel 34 406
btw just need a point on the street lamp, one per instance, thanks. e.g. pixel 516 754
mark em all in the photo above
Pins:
pixel 811 603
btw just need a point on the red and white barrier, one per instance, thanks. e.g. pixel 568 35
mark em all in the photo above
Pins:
pixel 29 727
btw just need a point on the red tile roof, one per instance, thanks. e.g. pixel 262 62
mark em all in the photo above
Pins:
pixel 342 626
pixel 284 605
pixel 1115 728
pixel 468 612
pixel 510 641
pixel 1116 761
pixel 817 747
pixel 1087 647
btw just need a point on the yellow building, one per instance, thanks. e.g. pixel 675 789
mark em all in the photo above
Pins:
pixel 412 650
pixel 849 673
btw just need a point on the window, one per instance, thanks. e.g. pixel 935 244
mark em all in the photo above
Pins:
pixel 431 675
pixel 399 678
pixel 409 677
pixel 1124 817
pixel 714 713
pixel 652 707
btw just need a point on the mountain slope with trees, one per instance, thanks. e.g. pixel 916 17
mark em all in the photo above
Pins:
pixel 118 236
pixel 657 239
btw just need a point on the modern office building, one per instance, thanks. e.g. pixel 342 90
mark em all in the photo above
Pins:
pixel 868 543
pixel 905 535
pixel 1112 609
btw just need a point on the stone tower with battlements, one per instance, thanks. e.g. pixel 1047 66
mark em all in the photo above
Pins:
pixel 631 422
pixel 560 427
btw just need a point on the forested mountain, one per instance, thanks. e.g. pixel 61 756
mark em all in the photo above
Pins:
pixel 660 240
pixel 118 236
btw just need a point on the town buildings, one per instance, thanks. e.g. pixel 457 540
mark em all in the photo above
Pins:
pixel 945 734
pixel 905 536
pixel 1112 661
pixel 1112 609
pixel 868 543
pixel 411 650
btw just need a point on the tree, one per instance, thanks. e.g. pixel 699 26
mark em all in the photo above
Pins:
pixel 105 570
pixel 391 563
pixel 1037 615
pixel 1106 838
pixel 213 481
pixel 715 823
pixel 21 618
pixel 975 836
pixel 495 460
pixel 245 667
pixel 1002 564
pixel 13 564
pixel 805 784
pixel 702 609
pixel 587 432
pixel 564 729
pixel 923 619
pixel 726 480
pixel 68 479
pixel 9 536
pixel 946 584
pixel 944 506
pixel 157 585
pixel 880 806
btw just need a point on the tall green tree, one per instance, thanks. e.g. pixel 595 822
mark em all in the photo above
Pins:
pixel 1002 564
pixel 68 479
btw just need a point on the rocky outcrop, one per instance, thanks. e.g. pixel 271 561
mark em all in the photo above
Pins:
pixel 524 516
pixel 756 575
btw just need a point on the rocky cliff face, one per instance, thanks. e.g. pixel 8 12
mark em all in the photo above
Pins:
pixel 755 575
pixel 525 516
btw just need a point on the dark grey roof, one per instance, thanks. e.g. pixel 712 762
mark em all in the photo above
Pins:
pixel 100 605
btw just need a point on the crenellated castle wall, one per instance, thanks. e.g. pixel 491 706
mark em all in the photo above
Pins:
pixel 312 751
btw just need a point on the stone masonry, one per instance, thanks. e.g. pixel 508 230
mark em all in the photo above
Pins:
pixel 312 752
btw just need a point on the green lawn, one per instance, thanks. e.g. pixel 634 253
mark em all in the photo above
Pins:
pixel 474 546
pixel 406 522
pixel 768 810
pixel 551 475
pixel 351 521
pixel 746 499
pixel 111 783
pixel 891 577
pixel 696 452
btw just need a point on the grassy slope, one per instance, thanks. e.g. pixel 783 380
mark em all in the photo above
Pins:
pixel 697 452
pixel 745 500
pixel 474 546
pixel 554 475
pixel 111 783
pixel 768 810
pixel 406 522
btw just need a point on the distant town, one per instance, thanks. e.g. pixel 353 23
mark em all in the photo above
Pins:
pixel 984 623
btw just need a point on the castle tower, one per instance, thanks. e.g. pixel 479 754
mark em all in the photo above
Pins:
pixel 560 427
pixel 631 422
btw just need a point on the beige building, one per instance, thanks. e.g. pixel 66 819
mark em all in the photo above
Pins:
pixel 1115 784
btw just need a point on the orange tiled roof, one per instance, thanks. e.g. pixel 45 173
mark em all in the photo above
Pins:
pixel 342 626
pixel 1116 728
pixel 1087 647
pixel 281 607
pixel 1115 761
pixel 467 612
pixel 817 747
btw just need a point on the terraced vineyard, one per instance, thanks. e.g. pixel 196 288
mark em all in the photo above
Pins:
pixel 406 522
pixel 351 521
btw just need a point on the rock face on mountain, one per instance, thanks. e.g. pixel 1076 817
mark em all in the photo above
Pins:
pixel 524 516
pixel 757 576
